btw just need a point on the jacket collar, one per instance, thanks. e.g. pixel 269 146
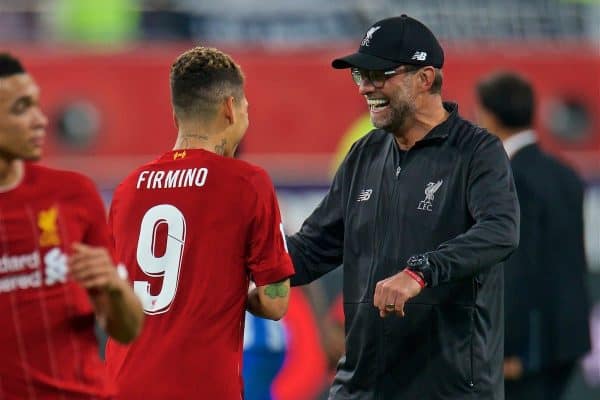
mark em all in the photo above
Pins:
pixel 442 130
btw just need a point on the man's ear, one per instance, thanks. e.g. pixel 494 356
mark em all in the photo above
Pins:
pixel 229 109
pixel 426 77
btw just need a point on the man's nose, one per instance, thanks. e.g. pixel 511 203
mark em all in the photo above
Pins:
pixel 365 87
pixel 40 119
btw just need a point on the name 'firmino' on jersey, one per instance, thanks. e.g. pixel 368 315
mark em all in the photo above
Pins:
pixel 175 178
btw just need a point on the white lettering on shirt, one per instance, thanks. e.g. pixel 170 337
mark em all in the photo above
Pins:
pixel 141 178
pixel 23 271
pixel 19 262
pixel 171 179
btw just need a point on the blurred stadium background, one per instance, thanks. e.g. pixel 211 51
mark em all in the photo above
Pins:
pixel 103 68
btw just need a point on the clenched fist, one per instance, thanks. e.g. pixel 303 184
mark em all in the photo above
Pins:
pixel 392 293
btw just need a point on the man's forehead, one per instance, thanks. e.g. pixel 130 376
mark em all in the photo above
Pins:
pixel 17 85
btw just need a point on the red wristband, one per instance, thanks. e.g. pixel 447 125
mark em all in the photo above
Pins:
pixel 416 277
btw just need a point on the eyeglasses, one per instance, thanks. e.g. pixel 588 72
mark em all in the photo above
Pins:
pixel 378 77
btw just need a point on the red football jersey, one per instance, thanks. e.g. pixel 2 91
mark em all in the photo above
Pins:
pixel 193 227
pixel 47 344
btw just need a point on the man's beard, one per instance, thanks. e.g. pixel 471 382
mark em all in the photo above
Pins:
pixel 400 114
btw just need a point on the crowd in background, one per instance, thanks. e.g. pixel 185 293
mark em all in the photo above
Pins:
pixel 288 22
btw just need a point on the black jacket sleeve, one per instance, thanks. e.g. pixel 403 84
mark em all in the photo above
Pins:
pixel 493 205
pixel 318 247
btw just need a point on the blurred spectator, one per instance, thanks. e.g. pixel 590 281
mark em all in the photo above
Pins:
pixel 546 307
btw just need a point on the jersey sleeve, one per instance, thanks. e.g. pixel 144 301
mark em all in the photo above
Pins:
pixel 96 233
pixel 267 257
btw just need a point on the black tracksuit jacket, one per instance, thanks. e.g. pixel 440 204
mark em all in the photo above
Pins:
pixel 452 197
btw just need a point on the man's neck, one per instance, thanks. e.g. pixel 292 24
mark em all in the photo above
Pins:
pixel 190 138
pixel 424 120
pixel 11 173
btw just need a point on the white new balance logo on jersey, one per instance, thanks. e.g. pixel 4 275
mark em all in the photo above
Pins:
pixel 365 195
pixel 419 55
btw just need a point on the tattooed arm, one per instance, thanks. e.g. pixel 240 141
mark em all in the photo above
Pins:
pixel 269 301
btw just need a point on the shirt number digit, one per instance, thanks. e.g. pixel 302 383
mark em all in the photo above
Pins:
pixel 166 265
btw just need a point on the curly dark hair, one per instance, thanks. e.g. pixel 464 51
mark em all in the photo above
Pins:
pixel 201 78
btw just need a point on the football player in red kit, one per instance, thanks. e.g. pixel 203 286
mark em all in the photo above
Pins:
pixel 55 269
pixel 195 227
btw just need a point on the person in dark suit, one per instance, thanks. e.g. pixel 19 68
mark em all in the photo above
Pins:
pixel 546 307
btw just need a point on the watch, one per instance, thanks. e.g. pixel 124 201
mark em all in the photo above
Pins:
pixel 420 264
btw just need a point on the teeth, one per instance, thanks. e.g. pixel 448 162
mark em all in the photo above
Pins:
pixel 376 102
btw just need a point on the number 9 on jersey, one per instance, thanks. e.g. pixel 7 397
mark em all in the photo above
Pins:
pixel 166 266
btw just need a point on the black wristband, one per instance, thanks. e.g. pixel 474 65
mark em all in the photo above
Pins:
pixel 420 264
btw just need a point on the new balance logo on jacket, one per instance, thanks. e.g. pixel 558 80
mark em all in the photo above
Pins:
pixel 364 195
